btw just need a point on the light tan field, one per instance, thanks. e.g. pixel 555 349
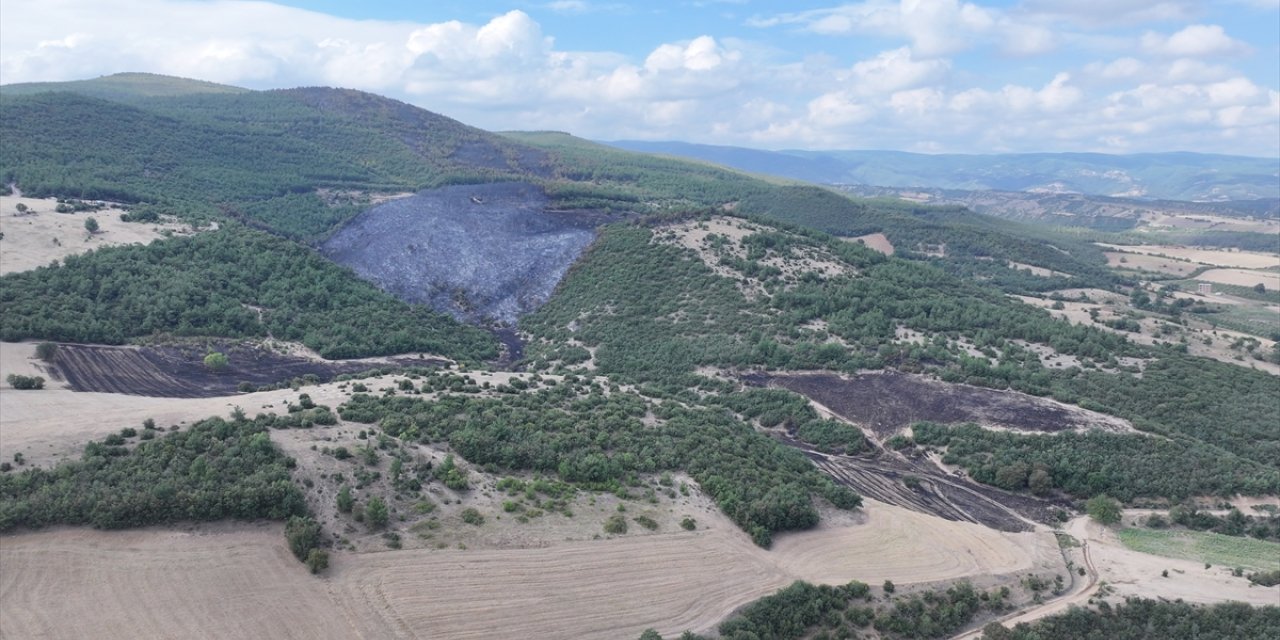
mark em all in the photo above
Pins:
pixel 877 241
pixel 1145 262
pixel 240 581
pixel 232 581
pixel 1134 573
pixel 35 240
pixel 1242 277
pixel 1211 257
pixel 1036 271
pixel 1203 221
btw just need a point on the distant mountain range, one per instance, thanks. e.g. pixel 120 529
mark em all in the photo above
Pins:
pixel 1165 176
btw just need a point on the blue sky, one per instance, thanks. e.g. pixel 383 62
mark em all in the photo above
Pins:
pixel 1117 76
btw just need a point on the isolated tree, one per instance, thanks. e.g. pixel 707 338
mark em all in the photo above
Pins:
pixel 22 208
pixel 1103 509
pixel 46 351
pixel 375 513
pixel 91 225
pixel 888 586
pixel 216 361
pixel 1260 287
pixel 345 500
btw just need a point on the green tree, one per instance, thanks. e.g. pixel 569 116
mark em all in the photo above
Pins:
pixel 317 560
pixel 91 225
pixel 1104 509
pixel 376 514
pixel 303 535
pixel 345 500
pixel 216 361
pixel 46 351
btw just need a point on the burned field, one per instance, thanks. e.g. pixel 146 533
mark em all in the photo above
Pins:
pixel 885 404
pixel 178 371
pixel 482 253
pixel 919 485
pixel 889 402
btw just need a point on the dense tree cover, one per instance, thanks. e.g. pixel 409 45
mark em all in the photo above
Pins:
pixel 1234 523
pixel 1140 619
pixel 1125 466
pixel 803 610
pixel 216 469
pixel 212 284
pixel 602 442
pixel 255 155
pixel 655 312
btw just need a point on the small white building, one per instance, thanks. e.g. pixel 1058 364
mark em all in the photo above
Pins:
pixel 1206 288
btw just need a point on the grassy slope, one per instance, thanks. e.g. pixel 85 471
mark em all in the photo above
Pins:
pixel 1203 546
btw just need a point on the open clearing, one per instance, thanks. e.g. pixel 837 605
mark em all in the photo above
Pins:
pixel 42 235
pixel 1242 278
pixel 1204 546
pixel 1211 257
pixel 1144 262
pixel 1133 573
pixel 876 241
pixel 239 580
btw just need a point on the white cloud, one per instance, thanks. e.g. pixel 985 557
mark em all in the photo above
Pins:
pixel 1194 40
pixel 894 70
pixel 1152 93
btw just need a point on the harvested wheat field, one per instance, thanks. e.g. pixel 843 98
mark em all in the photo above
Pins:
pixel 234 581
pixel 240 581
pixel 876 241
pixel 1212 257
pixel 1242 278
pixel 909 547
pixel 1146 262
pixel 41 235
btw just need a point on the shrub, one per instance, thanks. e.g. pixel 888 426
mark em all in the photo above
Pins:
pixel 376 513
pixel 616 524
pixel 216 361
pixel 471 516
pixel 46 351
pixel 646 522
pixel 345 499
pixel 317 560
pixel 688 524
pixel 303 535
pixel 25 382
pixel 888 586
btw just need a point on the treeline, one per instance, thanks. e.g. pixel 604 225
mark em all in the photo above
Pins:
pixel 1123 466
pixel 1141 619
pixel 214 470
pixel 803 610
pixel 228 283
pixel 601 442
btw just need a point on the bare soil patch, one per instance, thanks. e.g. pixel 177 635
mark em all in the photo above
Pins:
pixel 889 402
pixel 42 236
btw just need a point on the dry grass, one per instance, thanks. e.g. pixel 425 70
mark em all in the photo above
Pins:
pixel 43 236
pixel 1211 257
pixel 1242 278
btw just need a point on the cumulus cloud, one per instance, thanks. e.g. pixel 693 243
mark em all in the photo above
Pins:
pixel 1154 91
pixel 1194 40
